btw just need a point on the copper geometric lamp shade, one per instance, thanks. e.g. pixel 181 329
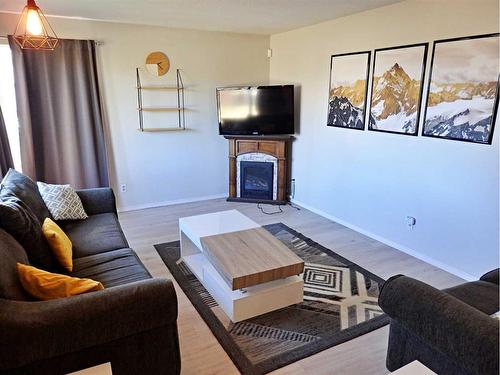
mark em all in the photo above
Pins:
pixel 33 31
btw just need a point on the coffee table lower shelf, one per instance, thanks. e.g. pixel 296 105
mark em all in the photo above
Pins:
pixel 249 302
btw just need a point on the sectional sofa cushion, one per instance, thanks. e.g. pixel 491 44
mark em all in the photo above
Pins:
pixel 19 221
pixel 62 201
pixel 97 234
pixel 111 268
pixel 15 184
pixel 11 252
pixel 59 243
pixel 44 286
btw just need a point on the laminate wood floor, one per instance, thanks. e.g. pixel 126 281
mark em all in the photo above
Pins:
pixel 201 352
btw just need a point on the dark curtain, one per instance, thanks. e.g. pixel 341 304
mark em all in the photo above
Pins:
pixel 5 154
pixel 60 114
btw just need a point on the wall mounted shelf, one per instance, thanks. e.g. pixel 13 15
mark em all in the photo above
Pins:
pixel 156 130
pixel 158 87
pixel 179 108
pixel 161 109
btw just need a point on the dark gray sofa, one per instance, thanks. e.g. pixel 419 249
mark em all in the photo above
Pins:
pixel 449 331
pixel 132 323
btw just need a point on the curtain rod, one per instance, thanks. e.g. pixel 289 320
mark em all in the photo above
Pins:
pixel 96 42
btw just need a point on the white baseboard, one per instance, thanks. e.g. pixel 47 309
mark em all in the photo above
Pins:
pixel 169 203
pixel 404 249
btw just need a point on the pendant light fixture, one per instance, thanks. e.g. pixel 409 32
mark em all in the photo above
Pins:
pixel 33 31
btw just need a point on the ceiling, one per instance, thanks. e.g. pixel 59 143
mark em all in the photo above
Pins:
pixel 244 16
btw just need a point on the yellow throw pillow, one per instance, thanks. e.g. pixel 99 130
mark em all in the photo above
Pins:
pixel 59 243
pixel 45 285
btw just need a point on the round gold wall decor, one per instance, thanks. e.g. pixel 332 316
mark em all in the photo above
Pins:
pixel 157 63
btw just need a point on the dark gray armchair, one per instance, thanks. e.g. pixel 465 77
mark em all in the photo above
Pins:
pixel 449 331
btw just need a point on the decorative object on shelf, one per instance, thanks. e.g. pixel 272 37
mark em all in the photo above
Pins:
pixel 348 90
pixel 33 31
pixel 397 84
pixel 157 64
pixel 179 108
pixel 463 93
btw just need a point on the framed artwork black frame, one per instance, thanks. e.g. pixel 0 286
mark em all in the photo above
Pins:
pixel 497 93
pixel 369 54
pixel 422 81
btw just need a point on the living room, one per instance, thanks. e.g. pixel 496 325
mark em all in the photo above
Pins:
pixel 252 187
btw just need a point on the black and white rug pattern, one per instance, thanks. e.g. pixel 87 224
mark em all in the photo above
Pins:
pixel 340 303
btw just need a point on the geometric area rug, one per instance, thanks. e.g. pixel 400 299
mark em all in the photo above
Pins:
pixel 340 303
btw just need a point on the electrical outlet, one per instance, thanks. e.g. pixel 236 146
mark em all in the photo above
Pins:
pixel 293 188
pixel 123 188
pixel 411 221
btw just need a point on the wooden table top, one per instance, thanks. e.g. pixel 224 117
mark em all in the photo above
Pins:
pixel 250 257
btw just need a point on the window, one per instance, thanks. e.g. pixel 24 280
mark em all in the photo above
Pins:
pixel 8 102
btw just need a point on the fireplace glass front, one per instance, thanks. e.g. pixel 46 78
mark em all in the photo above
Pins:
pixel 256 180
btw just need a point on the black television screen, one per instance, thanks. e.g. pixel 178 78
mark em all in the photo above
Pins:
pixel 258 110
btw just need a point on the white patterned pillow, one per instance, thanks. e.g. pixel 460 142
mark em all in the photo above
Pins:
pixel 62 201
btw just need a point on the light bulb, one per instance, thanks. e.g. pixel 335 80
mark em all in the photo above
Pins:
pixel 34 23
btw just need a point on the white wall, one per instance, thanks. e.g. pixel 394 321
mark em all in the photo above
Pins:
pixel 371 181
pixel 165 167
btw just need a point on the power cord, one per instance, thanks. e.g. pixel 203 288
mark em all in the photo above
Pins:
pixel 279 211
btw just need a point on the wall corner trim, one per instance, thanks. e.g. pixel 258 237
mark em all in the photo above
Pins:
pixel 457 272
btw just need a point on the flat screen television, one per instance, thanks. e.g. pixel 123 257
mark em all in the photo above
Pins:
pixel 255 110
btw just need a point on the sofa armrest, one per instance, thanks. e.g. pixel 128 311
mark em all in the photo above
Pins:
pixel 491 277
pixel 464 334
pixel 32 331
pixel 98 200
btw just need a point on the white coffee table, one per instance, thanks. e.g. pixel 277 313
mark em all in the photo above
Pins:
pixel 250 301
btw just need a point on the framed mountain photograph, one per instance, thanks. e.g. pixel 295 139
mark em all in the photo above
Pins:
pixel 462 101
pixel 348 90
pixel 398 74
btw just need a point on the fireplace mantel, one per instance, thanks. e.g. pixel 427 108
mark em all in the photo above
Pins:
pixel 284 137
pixel 276 146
